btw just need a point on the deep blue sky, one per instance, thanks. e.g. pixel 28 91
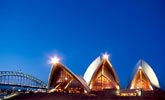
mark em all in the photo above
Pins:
pixel 78 32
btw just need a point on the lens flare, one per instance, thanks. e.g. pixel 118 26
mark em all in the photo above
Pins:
pixel 54 60
pixel 105 56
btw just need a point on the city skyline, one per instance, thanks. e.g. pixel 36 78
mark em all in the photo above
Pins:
pixel 79 31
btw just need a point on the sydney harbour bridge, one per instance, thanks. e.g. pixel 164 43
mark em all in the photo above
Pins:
pixel 19 79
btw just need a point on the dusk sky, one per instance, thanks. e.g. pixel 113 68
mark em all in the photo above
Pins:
pixel 79 31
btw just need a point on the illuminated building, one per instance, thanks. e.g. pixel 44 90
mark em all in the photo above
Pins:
pixel 61 79
pixel 101 75
pixel 144 78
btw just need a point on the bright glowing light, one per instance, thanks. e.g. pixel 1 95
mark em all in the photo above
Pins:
pixel 52 90
pixel 85 91
pixel 54 60
pixel 140 67
pixel 117 87
pixel 66 78
pixel 105 56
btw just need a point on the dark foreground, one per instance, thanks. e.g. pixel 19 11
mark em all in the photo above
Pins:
pixel 65 96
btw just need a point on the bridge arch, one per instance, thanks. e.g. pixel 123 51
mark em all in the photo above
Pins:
pixel 13 78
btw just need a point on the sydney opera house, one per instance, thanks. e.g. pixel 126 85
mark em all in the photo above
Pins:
pixel 101 76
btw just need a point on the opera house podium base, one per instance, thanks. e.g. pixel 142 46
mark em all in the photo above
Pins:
pixel 102 95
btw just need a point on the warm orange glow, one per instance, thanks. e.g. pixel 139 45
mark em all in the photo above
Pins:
pixel 63 80
pixel 52 90
pixel 117 87
pixel 85 91
pixel 66 78
pixel 104 77
pixel 141 81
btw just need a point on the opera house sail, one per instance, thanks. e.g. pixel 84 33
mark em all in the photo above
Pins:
pixel 61 79
pixel 101 75
pixel 144 78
